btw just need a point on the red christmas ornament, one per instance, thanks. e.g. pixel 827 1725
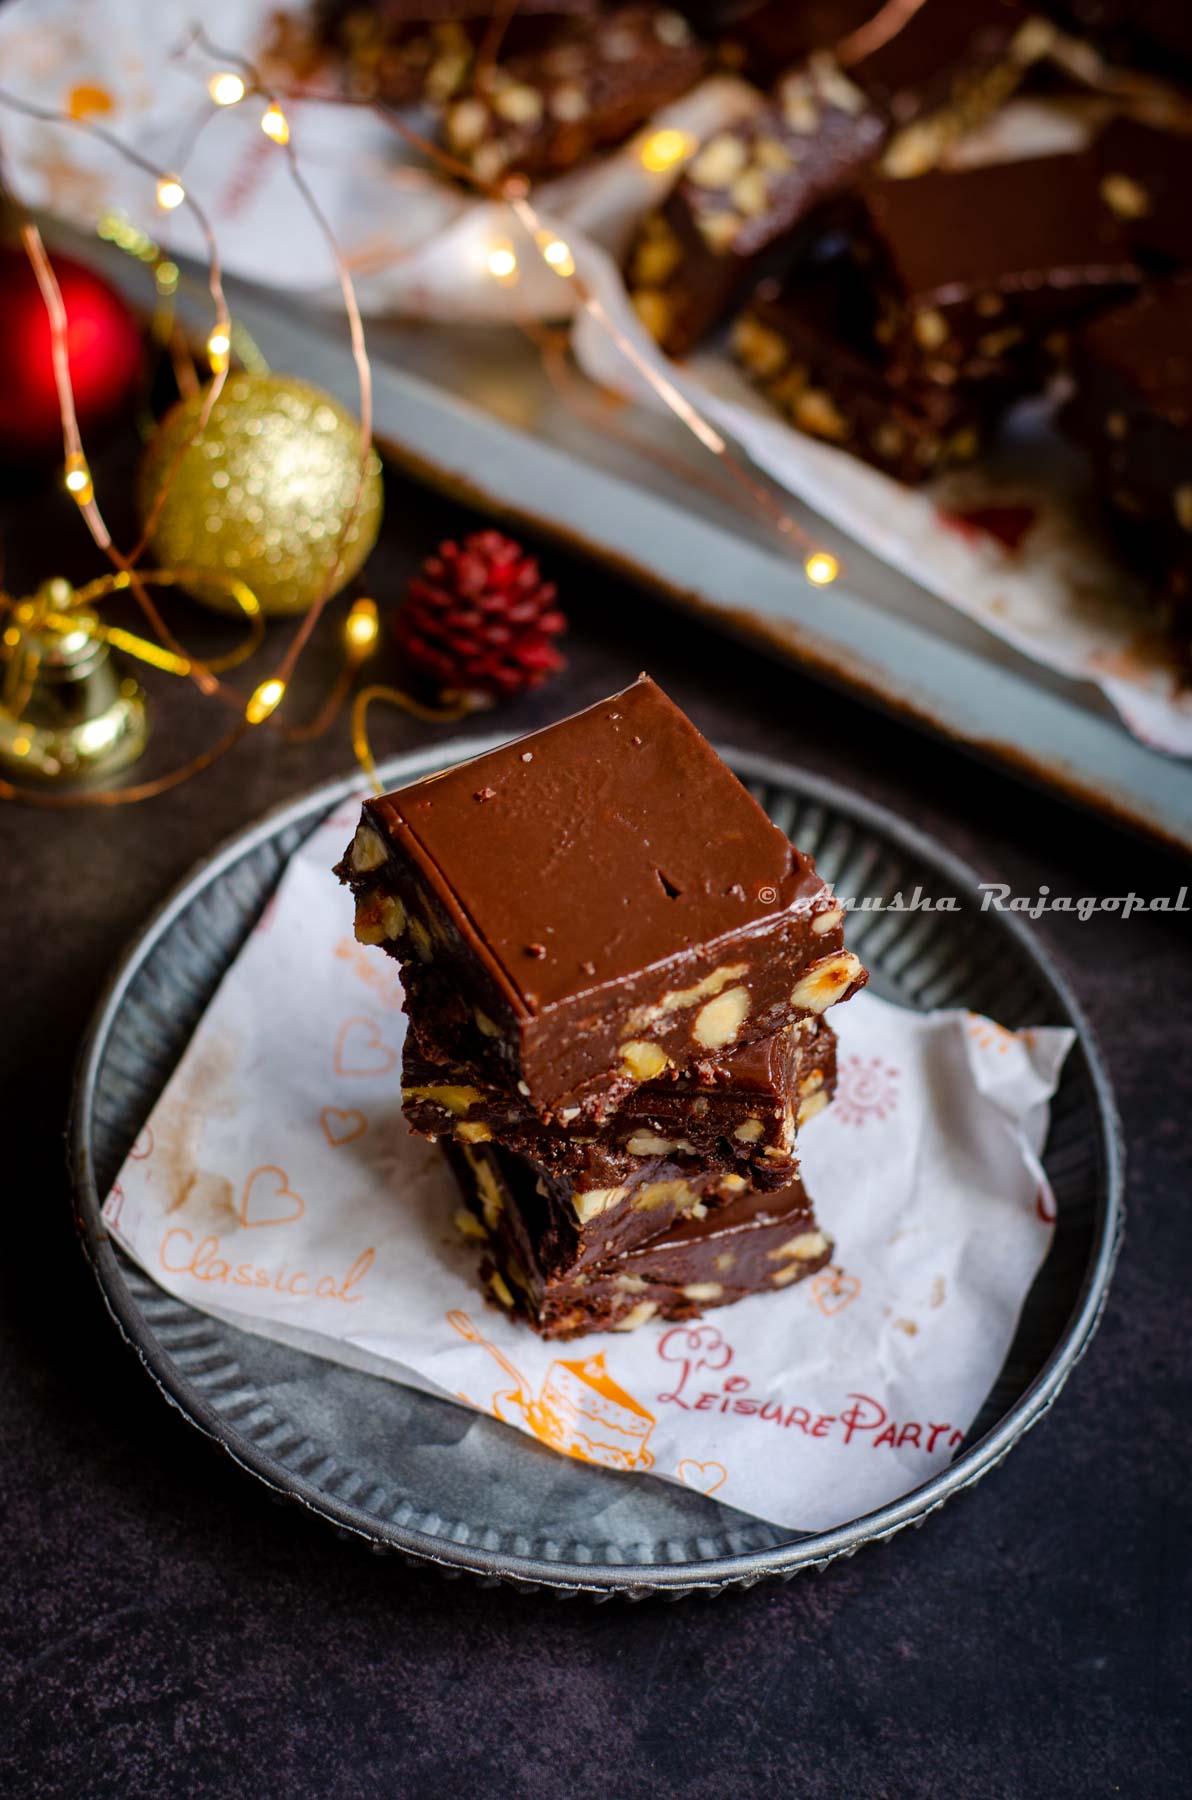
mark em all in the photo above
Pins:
pixel 479 619
pixel 103 348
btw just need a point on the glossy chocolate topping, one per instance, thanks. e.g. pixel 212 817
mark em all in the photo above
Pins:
pixel 612 842
pixel 1005 228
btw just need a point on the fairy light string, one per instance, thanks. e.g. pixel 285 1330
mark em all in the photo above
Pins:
pixel 230 85
pixel 77 472
pixel 513 192
pixel 276 126
pixel 169 656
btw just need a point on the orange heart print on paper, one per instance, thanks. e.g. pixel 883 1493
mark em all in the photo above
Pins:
pixel 361 1050
pixel 342 1125
pixel 268 1198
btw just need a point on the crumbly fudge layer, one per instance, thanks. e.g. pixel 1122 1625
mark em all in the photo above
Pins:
pixel 739 1111
pixel 607 899
pixel 1146 178
pixel 545 110
pixel 1132 408
pixel 973 269
pixel 752 1243
pixel 950 61
pixel 558 1230
pixel 742 196
pixel 809 345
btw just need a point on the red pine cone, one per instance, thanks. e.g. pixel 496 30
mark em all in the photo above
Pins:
pixel 479 618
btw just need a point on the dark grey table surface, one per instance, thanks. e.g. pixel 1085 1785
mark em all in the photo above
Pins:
pixel 165 1631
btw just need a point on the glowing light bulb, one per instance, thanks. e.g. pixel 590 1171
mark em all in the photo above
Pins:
pixel 218 345
pixel 170 193
pixel 558 255
pixel 78 479
pixel 226 88
pixel 820 568
pixel 362 627
pixel 166 277
pixel 265 699
pixel 663 149
pixel 502 263
pixel 275 125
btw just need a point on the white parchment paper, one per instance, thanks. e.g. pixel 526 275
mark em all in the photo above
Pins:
pixel 275 1185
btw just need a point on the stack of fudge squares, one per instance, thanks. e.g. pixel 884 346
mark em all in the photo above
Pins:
pixel 617 971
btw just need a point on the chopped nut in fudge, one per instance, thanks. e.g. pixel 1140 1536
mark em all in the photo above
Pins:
pixel 740 1110
pixel 973 270
pixel 546 110
pixel 809 344
pixel 705 1256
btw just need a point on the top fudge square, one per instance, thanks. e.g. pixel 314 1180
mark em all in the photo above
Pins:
pixel 601 901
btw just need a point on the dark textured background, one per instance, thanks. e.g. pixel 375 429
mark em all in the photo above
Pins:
pixel 167 1632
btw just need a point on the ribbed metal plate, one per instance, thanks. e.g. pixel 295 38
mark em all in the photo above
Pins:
pixel 422 1477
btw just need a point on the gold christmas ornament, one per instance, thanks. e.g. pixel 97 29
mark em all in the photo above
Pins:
pixel 263 492
pixel 66 707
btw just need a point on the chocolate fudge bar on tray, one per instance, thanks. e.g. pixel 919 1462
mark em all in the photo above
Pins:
pixel 542 111
pixel 1132 409
pixel 1146 179
pixel 842 97
pixel 810 345
pixel 742 194
pixel 972 269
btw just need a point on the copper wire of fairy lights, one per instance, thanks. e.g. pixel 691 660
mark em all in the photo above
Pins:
pixel 1142 94
pixel 52 298
pixel 356 333
pixel 514 193
pixel 885 24
pixel 175 658
pixel 820 567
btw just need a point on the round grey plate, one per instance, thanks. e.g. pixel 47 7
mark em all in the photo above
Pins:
pixel 437 1483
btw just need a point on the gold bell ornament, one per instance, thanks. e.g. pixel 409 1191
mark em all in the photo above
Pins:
pixel 67 709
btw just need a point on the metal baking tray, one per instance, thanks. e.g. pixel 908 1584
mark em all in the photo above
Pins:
pixel 421 1477
pixel 471 410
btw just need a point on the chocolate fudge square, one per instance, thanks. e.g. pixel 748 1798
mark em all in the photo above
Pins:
pixel 741 197
pixel 739 1111
pixel 564 1228
pixel 543 111
pixel 972 269
pixel 1132 408
pixel 910 63
pixel 404 51
pixel 710 1256
pixel 737 208
pixel 1146 179
pixel 1133 403
pixel 607 899
pixel 929 71
pixel 947 67
pixel 809 345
